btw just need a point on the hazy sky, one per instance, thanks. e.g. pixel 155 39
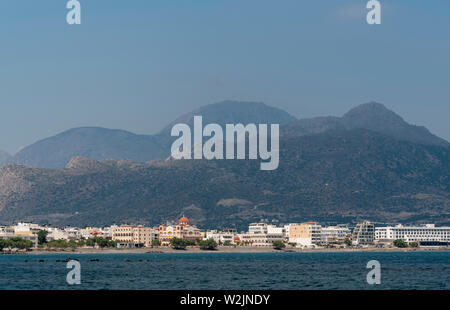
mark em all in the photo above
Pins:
pixel 138 64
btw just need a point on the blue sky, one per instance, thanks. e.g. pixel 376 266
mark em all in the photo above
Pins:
pixel 138 64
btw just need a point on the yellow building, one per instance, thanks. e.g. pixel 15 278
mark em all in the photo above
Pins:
pixel 305 234
pixel 132 236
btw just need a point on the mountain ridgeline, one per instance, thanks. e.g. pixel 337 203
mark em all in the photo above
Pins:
pixel 101 143
pixel 368 164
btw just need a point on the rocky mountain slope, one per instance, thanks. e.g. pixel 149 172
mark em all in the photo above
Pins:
pixel 368 164
pixel 341 175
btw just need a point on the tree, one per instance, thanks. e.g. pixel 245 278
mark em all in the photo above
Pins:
pixel 156 242
pixel 17 242
pixel 399 243
pixel 209 244
pixel 90 242
pixel 347 242
pixel 414 244
pixel 101 242
pixel 3 244
pixel 278 245
pixel 72 244
pixel 227 243
pixel 178 243
pixel 42 236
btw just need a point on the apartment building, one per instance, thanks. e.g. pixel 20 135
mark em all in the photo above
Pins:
pixel 334 234
pixel 261 235
pixel 221 237
pixel 305 234
pixel 132 236
pixel 363 233
pixel 6 232
pixel 56 234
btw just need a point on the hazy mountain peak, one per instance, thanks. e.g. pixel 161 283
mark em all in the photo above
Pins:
pixel 375 116
pixel 234 112
pixel 371 112
pixel 90 142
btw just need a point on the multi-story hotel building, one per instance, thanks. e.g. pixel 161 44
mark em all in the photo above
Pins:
pixel 261 235
pixel 132 236
pixel 221 237
pixel 363 233
pixel 335 234
pixel 426 235
pixel 305 234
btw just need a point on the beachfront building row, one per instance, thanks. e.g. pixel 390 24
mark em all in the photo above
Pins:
pixel 304 235
pixel 29 231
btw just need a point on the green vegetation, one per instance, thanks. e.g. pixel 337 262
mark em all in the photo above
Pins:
pixel 227 243
pixel 278 245
pixel 15 242
pixel 347 242
pixel 178 243
pixel 209 244
pixel 156 243
pixel 414 244
pixel 63 244
pixel 42 236
pixel 399 243
pixel 104 243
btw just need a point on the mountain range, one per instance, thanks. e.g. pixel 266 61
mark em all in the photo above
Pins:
pixel 101 143
pixel 367 164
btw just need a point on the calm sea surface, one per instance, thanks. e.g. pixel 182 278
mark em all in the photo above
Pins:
pixel 413 270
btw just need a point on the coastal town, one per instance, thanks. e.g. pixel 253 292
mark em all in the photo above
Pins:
pixel 182 234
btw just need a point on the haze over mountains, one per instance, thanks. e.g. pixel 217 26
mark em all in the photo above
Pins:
pixel 101 143
pixel 4 157
pixel 368 164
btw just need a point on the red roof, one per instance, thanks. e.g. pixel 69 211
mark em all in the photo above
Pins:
pixel 184 220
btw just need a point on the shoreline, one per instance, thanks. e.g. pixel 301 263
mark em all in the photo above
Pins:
pixel 194 250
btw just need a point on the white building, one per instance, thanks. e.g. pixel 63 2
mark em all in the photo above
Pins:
pixel 73 232
pixel 6 232
pixel 259 235
pixel 221 236
pixel 257 228
pixel 426 234
pixel 272 229
pixel 23 228
pixel 56 234
pixel 334 234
